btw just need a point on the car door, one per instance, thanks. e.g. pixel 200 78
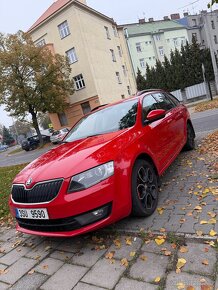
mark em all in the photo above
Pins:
pixel 157 135
pixel 171 124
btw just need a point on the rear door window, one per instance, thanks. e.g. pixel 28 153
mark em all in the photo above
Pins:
pixel 163 102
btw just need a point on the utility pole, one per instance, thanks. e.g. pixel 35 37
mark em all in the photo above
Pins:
pixel 212 52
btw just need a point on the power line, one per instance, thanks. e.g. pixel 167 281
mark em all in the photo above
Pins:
pixel 189 4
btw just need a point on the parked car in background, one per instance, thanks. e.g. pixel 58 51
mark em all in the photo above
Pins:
pixel 3 147
pixel 32 143
pixel 108 166
pixel 58 135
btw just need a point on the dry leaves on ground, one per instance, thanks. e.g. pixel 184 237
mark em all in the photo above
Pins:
pixel 206 106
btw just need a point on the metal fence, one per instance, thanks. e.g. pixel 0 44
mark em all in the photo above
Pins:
pixel 193 93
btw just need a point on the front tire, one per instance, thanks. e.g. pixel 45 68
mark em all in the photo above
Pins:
pixel 144 189
pixel 190 142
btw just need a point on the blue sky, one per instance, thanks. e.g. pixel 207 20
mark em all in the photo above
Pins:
pixel 16 15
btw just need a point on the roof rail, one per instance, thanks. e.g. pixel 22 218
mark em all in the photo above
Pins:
pixel 146 91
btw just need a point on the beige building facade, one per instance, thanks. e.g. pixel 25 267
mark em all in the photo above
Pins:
pixel 97 51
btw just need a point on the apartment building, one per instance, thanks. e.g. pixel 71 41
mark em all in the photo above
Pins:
pixel 150 41
pixel 97 52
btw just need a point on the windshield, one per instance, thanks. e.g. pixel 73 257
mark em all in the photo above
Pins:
pixel 111 119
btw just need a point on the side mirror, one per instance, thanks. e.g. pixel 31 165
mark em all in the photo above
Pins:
pixel 156 115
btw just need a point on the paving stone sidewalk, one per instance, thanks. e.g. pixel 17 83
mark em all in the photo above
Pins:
pixel 106 262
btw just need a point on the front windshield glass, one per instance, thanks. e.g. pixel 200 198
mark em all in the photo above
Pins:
pixel 111 119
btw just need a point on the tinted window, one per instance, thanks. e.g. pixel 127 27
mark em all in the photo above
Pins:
pixel 55 133
pixel 107 120
pixel 163 102
pixel 149 104
pixel 173 99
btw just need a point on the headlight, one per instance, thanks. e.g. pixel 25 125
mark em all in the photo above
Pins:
pixel 91 177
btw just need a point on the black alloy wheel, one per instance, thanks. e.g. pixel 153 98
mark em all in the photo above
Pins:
pixel 144 189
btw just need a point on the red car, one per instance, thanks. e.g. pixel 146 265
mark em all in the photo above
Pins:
pixel 107 167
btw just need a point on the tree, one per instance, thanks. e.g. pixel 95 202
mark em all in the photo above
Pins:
pixel 209 5
pixel 44 120
pixel 21 128
pixel 7 138
pixel 32 79
pixel 140 81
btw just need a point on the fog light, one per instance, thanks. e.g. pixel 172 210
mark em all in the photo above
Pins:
pixel 94 216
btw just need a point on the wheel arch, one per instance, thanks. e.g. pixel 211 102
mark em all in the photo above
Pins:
pixel 190 123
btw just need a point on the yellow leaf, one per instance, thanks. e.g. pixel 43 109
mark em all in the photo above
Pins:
pixel 160 210
pixel 212 221
pixel 212 233
pixel 157 279
pixel 132 254
pixel 198 207
pixel 183 249
pixel 190 288
pixel 124 262
pixel 199 233
pixel 211 214
pixel 128 241
pixel 110 255
pixel 181 262
pixel 159 241
pixel 143 258
pixel 203 222
pixel 180 285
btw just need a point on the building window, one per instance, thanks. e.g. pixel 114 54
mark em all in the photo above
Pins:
pixel 119 51
pixel 124 70
pixel 79 82
pixel 115 31
pixel 86 108
pixel 142 62
pixel 149 42
pixel 138 47
pixel 215 39
pixel 122 96
pixel 118 78
pixel 113 55
pixel 146 42
pixel 161 50
pixel 194 22
pixel 128 90
pixel 212 24
pixel 62 119
pixel 64 29
pixel 40 42
pixel 157 37
pixel 71 55
pixel 194 36
pixel 107 32
pixel 175 40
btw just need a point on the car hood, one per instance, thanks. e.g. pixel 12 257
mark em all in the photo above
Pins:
pixel 72 158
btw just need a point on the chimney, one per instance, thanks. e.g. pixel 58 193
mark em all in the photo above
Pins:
pixel 166 18
pixel 175 16
pixel 185 14
pixel 142 20
pixel 150 19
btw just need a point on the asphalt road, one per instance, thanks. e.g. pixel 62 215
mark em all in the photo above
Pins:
pixel 204 123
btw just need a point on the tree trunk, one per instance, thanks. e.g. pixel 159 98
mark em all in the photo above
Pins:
pixel 36 126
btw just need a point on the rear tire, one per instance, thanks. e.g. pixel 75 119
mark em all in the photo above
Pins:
pixel 190 142
pixel 144 189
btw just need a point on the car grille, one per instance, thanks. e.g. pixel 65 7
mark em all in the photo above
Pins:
pixel 41 192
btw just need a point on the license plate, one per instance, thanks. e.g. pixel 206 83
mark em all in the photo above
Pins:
pixel 37 214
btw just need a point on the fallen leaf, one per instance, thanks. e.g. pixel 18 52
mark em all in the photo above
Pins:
pixel 190 288
pixel 174 246
pixel 180 285
pixel 206 287
pixel 160 210
pixel 143 258
pixel 124 262
pixel 110 255
pixel 128 241
pixel 205 262
pixel 117 243
pixel 159 241
pixel 182 220
pixel 212 221
pixel 47 248
pixel 180 263
pixel 198 207
pixel 202 280
pixel 206 250
pixel 132 254
pixel 31 272
pixel 211 214
pixel 162 230
pixel 2 250
pixel 157 279
pixel 2 271
pixel 167 253
pixel 45 267
pixel 199 233
pixel 212 233
pixel 203 222
pixel 112 261
pixel 183 249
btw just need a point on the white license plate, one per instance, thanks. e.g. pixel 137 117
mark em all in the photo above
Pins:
pixel 36 213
